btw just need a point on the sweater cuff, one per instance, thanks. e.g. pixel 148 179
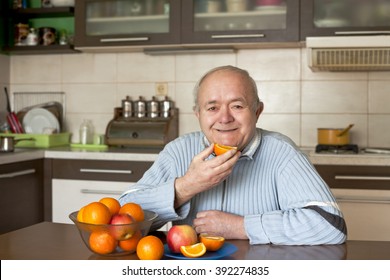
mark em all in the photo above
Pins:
pixel 254 229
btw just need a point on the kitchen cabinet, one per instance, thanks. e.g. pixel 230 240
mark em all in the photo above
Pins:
pixel 344 17
pixel 75 183
pixel 239 21
pixel 363 194
pixel 59 18
pixel 163 23
pixel 21 194
pixel 107 23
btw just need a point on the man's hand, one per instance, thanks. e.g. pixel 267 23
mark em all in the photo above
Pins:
pixel 204 174
pixel 220 223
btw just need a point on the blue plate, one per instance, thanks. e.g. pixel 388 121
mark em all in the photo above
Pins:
pixel 226 250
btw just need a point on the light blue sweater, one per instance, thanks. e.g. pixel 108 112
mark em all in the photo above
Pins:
pixel 273 185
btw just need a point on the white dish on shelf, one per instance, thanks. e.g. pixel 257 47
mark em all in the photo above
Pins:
pixel 38 120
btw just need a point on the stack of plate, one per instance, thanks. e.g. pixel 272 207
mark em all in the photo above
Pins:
pixel 40 121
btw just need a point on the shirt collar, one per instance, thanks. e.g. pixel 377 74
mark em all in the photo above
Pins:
pixel 250 149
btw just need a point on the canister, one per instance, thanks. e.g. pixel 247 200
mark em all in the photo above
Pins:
pixel 153 108
pixel 127 107
pixel 140 107
pixel 166 106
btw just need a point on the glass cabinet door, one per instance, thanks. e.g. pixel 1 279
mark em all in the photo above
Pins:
pixel 240 20
pixel 338 17
pixel 127 21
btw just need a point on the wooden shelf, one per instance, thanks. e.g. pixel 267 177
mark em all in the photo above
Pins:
pixel 44 12
pixel 52 49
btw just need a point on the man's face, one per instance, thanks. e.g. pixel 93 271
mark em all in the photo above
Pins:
pixel 226 114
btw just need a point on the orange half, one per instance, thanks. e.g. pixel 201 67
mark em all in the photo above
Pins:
pixel 221 149
pixel 212 243
pixel 193 251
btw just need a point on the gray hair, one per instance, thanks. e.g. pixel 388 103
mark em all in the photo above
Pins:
pixel 240 71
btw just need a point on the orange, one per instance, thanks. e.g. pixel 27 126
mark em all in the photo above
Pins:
pixel 112 204
pixel 212 243
pixel 221 149
pixel 96 213
pixel 102 242
pixel 150 248
pixel 130 244
pixel 133 209
pixel 80 214
pixel 193 251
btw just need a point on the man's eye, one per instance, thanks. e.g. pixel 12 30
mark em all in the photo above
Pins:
pixel 211 108
pixel 237 107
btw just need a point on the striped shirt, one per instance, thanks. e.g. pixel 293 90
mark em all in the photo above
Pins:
pixel 273 186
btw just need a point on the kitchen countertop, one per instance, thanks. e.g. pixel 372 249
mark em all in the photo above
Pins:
pixel 55 241
pixel 151 155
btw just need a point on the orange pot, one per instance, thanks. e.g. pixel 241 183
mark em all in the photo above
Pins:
pixel 334 136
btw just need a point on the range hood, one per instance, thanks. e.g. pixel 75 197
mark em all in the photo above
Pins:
pixel 349 53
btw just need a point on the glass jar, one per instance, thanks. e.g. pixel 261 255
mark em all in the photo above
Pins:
pixel 86 132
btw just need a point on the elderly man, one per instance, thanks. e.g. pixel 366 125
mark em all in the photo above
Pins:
pixel 266 190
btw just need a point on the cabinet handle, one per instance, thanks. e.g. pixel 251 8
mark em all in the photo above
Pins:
pixel 353 199
pixel 17 173
pixel 362 32
pixel 235 36
pixel 87 170
pixel 106 192
pixel 134 39
pixel 351 177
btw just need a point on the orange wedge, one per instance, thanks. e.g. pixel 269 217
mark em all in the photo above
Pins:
pixel 193 251
pixel 221 149
pixel 212 243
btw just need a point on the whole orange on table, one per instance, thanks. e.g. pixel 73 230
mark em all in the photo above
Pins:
pixel 221 149
pixel 150 248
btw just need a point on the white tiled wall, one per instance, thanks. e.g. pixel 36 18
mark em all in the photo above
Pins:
pixel 297 101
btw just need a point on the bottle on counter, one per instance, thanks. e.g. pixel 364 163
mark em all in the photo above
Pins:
pixel 86 132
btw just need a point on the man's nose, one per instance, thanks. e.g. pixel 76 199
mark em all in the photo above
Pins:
pixel 225 115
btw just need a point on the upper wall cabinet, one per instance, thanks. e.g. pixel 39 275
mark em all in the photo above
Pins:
pixel 52 26
pixel 344 17
pixel 105 23
pixel 164 23
pixel 240 21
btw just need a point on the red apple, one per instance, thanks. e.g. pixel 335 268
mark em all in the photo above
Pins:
pixel 122 228
pixel 181 235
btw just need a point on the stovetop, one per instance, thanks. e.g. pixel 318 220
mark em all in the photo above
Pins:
pixel 333 149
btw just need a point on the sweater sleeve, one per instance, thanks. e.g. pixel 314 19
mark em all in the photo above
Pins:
pixel 308 213
pixel 155 191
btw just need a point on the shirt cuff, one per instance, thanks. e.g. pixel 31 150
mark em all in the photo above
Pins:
pixel 254 229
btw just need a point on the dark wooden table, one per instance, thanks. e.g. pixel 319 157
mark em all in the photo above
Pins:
pixel 54 241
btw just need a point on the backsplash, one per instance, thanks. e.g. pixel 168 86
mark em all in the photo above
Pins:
pixel 297 100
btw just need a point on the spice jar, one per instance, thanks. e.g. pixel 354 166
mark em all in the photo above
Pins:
pixel 32 38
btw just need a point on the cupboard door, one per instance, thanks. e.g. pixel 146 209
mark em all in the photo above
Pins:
pixel 127 22
pixel 240 21
pixel 21 195
pixel 344 17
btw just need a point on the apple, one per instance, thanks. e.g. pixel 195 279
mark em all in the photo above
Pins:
pixel 181 235
pixel 121 228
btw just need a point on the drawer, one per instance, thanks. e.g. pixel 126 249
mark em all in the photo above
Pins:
pixel 355 177
pixel 99 170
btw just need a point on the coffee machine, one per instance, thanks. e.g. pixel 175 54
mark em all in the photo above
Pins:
pixel 143 124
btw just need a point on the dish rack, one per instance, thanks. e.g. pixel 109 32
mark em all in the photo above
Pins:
pixel 47 100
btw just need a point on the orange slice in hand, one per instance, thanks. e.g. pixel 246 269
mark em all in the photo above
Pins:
pixel 193 251
pixel 221 149
pixel 212 243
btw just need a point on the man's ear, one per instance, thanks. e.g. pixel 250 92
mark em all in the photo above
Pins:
pixel 259 109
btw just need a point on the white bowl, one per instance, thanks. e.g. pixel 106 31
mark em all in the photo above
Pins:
pixel 62 3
